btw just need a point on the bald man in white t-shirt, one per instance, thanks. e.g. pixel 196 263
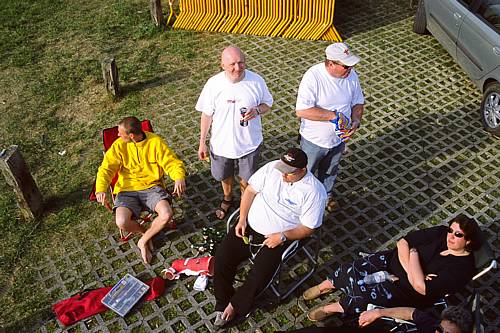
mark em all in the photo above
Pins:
pixel 234 139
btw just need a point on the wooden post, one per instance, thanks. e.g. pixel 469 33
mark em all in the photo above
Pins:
pixel 156 13
pixel 110 76
pixel 17 175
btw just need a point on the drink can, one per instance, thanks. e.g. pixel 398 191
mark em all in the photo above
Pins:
pixel 243 111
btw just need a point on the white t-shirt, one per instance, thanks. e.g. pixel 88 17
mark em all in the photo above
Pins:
pixel 320 89
pixel 281 206
pixel 222 100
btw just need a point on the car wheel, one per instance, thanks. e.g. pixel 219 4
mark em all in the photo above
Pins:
pixel 420 22
pixel 490 109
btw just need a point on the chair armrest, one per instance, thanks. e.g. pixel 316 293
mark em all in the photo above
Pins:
pixel 493 264
pixel 290 250
pixel 231 220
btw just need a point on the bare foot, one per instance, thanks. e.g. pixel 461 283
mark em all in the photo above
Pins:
pixel 145 252
pixel 229 313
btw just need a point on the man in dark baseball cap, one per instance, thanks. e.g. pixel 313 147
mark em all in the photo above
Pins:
pixel 293 160
pixel 282 202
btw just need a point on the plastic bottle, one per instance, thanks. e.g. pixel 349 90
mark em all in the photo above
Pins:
pixel 377 277
pixel 243 123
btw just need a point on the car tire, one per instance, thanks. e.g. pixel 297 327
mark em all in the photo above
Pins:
pixel 420 22
pixel 490 109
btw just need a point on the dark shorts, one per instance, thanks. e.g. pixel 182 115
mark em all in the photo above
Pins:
pixel 223 168
pixel 136 200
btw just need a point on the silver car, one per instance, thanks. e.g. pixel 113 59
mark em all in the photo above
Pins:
pixel 470 31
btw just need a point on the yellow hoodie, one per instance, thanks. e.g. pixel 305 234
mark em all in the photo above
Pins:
pixel 140 165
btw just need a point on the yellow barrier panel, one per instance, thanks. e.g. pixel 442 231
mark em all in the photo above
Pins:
pixel 285 16
pixel 244 19
pixel 301 19
pixel 209 13
pixel 234 15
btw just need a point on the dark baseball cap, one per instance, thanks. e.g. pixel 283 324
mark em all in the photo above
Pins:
pixel 292 160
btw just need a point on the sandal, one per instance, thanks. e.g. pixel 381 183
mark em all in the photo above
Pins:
pixel 318 314
pixel 223 209
pixel 332 205
pixel 315 292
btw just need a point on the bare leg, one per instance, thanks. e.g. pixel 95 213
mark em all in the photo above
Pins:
pixel 333 308
pixel 165 214
pixel 243 186
pixel 326 285
pixel 227 189
pixel 325 311
pixel 125 222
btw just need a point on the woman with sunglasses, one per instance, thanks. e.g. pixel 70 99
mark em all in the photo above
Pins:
pixel 426 265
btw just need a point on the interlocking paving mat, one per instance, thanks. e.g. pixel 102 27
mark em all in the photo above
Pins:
pixel 419 158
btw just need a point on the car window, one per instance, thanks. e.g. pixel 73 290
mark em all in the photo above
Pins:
pixel 467 3
pixel 489 10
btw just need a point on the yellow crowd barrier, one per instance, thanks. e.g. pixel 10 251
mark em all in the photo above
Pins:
pixel 299 19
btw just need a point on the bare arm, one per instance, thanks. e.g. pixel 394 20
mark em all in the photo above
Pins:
pixel 367 317
pixel 415 273
pixel 246 201
pixel 273 240
pixel 263 108
pixel 317 114
pixel 403 253
pixel 356 116
pixel 205 123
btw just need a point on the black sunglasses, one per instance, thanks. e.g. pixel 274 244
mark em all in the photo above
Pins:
pixel 340 64
pixel 440 329
pixel 457 234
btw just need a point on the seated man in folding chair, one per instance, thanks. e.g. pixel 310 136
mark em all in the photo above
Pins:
pixel 283 202
pixel 141 159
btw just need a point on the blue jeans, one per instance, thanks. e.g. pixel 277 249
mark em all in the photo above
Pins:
pixel 323 162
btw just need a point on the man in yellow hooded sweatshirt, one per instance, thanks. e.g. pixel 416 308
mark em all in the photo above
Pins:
pixel 141 160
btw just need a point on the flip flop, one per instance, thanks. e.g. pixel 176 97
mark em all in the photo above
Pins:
pixel 223 211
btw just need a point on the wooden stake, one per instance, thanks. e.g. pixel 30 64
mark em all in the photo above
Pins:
pixel 17 175
pixel 110 76
pixel 156 13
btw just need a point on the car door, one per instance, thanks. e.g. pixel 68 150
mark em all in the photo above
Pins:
pixel 444 18
pixel 478 45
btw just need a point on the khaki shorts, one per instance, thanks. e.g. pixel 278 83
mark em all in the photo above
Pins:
pixel 223 168
pixel 136 200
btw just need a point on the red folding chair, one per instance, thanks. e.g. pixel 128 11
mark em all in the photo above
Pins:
pixel 109 135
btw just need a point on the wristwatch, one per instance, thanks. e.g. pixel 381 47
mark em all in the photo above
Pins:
pixel 282 237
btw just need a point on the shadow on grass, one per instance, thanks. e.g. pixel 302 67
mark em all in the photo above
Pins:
pixel 153 83
pixel 56 203
pixel 31 323
pixel 353 17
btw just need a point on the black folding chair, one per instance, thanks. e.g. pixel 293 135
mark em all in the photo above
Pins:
pixel 276 284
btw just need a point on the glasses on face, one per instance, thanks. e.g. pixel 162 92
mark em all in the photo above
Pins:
pixel 457 234
pixel 440 329
pixel 340 64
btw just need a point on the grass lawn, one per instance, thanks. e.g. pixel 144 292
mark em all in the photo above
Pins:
pixel 53 105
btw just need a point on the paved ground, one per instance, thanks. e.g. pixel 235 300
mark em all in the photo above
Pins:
pixel 419 158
